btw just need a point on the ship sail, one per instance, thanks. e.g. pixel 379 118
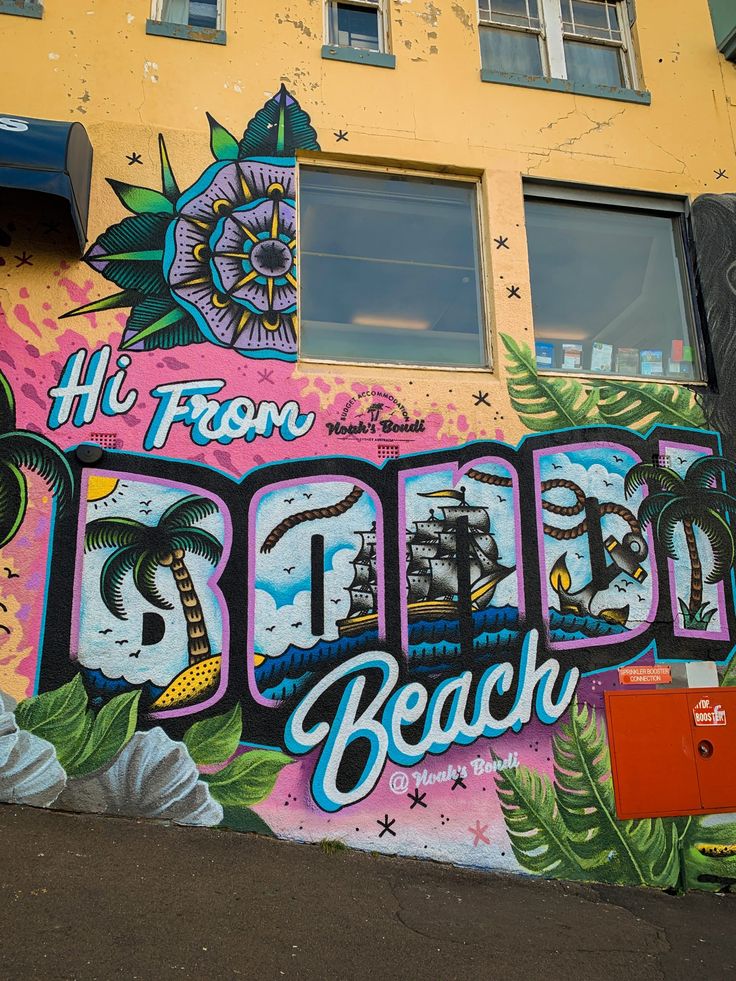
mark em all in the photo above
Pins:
pixel 432 573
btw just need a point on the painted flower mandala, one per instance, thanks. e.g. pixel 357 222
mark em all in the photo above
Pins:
pixel 217 262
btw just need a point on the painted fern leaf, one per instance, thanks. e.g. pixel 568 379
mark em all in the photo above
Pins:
pixel 538 835
pixel 546 403
pixel 640 406
pixel 638 852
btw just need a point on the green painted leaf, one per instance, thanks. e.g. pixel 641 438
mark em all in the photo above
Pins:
pixel 7 405
pixel 641 852
pixel 641 405
pixel 31 451
pixel 215 740
pixel 538 835
pixel 279 129
pixel 60 716
pixel 729 675
pixel 224 146
pixel 142 200
pixel 249 779
pixel 13 501
pixel 159 324
pixel 244 819
pixel 151 316
pixel 708 853
pixel 135 234
pixel 114 725
pixel 124 299
pixel 546 403
pixel 168 181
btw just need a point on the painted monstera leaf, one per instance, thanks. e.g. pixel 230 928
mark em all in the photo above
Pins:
pixel 217 261
pixel 545 402
pixel 568 827
pixel 636 852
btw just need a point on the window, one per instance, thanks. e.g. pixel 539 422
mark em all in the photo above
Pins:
pixel 610 285
pixel 22 8
pixel 391 270
pixel 359 24
pixel 586 42
pixel 190 13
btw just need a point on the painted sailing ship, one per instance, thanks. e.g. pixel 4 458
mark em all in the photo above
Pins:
pixel 363 612
pixel 432 566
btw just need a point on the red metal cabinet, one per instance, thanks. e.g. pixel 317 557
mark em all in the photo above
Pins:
pixel 672 752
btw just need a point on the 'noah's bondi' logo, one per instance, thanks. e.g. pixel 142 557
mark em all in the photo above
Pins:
pixel 374 414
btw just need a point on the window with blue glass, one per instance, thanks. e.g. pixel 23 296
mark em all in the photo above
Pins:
pixel 586 42
pixel 359 24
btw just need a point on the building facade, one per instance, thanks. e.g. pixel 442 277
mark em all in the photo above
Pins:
pixel 367 461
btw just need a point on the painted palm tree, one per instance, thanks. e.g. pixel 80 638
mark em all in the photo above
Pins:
pixel 21 450
pixel 693 501
pixel 143 549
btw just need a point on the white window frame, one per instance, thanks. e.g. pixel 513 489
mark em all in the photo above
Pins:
pixel 378 5
pixel 552 38
pixel 157 13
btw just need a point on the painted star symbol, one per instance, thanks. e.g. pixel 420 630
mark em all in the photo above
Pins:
pixel 386 826
pixel 502 242
pixel 266 376
pixel 134 158
pixel 341 135
pixel 482 398
pixel 513 291
pixel 479 834
pixel 720 173
pixel 458 783
pixel 24 259
pixel 416 798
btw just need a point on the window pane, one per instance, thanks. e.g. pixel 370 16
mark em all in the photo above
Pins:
pixel 592 19
pixel 607 292
pixel 357 27
pixel 510 51
pixel 203 13
pixel 517 13
pixel 175 11
pixel 390 269
pixel 598 64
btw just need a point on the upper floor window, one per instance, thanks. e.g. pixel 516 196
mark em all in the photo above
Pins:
pixel 190 13
pixel 358 24
pixel 22 8
pixel 390 268
pixel 610 284
pixel 582 41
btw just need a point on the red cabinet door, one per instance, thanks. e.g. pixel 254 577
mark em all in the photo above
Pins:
pixel 713 728
pixel 652 754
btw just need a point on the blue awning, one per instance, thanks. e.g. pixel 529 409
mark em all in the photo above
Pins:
pixel 48 157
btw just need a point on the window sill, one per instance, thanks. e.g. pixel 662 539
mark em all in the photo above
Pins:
pixel 360 57
pixel 183 31
pixel 603 377
pixel 564 85
pixel 21 8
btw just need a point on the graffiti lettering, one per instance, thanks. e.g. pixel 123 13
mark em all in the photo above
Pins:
pixel 221 422
pixel 444 714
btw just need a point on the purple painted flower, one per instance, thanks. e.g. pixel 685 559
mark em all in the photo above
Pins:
pixel 230 256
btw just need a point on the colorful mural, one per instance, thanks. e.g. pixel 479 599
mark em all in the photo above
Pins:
pixel 343 614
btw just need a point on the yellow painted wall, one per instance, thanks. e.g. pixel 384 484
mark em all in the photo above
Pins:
pixel 92 61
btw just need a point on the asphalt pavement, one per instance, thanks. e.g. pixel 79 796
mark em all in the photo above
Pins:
pixel 86 898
